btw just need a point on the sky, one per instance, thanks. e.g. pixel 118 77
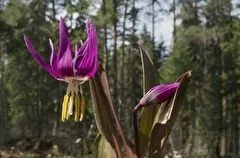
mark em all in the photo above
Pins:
pixel 163 26
pixel 164 22
pixel 163 29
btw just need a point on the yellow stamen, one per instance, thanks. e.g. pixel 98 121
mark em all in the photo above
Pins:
pixel 77 107
pixel 70 106
pixel 67 107
pixel 74 102
pixel 64 107
pixel 83 106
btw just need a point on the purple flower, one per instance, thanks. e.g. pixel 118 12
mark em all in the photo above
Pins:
pixel 159 94
pixel 73 66
pixel 155 95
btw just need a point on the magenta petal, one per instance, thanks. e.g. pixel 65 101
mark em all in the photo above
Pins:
pixel 38 58
pixel 94 67
pixel 87 60
pixel 87 66
pixel 159 94
pixel 64 40
pixel 82 49
pixel 54 59
pixel 65 64
pixel 90 27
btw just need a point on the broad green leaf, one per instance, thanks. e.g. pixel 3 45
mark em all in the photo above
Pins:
pixel 101 148
pixel 149 70
pixel 104 113
pixel 95 145
pixel 148 113
pixel 105 116
pixel 166 117
pixel 105 150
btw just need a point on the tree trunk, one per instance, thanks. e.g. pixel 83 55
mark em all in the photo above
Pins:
pixel 235 129
pixel 174 21
pixel 115 55
pixel 133 19
pixel 122 76
pixel 224 138
pixel 234 112
pixel 53 10
pixel 224 111
pixel 153 34
pixel 2 98
pixel 105 55
pixel 39 109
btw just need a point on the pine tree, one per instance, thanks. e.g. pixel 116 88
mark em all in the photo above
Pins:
pixel 187 55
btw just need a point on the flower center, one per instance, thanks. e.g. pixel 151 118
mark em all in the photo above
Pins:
pixel 77 80
pixel 74 101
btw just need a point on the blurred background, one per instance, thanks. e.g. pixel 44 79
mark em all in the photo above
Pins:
pixel 181 35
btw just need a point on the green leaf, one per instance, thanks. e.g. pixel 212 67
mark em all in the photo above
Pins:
pixel 105 115
pixel 149 70
pixel 95 145
pixel 166 117
pixel 148 113
pixel 101 148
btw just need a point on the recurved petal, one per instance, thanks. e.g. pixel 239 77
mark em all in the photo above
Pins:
pixel 159 94
pixel 87 60
pixel 81 50
pixel 93 46
pixel 94 67
pixel 38 58
pixel 64 41
pixel 65 64
pixel 86 66
pixel 54 59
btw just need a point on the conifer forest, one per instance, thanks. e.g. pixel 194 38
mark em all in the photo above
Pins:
pixel 105 79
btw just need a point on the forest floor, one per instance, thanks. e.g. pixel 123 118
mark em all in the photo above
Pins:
pixel 14 153
pixel 35 148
